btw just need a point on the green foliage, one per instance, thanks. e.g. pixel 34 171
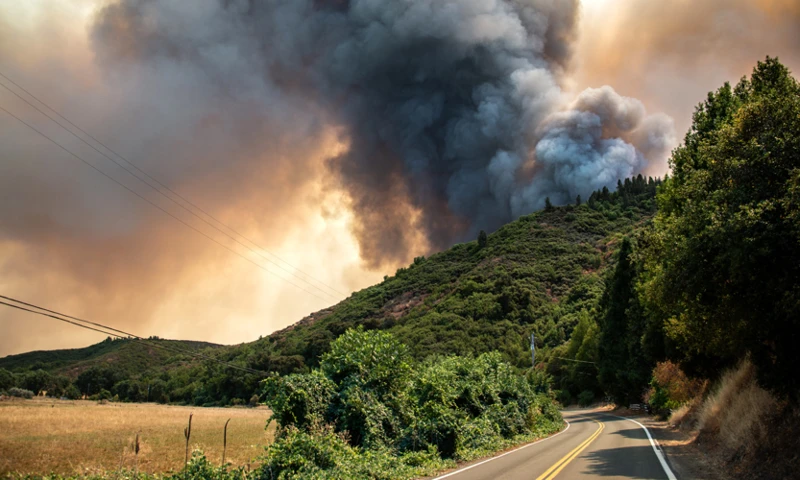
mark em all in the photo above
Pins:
pixel 299 399
pixel 624 369
pixel 723 258
pixel 370 409
pixel 20 392
pixel 199 468
pixel 6 379
pixel 585 398
pixel 35 381
pixel 321 453
pixel 483 240
pixel 72 392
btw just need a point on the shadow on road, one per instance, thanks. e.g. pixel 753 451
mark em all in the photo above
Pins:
pixel 627 462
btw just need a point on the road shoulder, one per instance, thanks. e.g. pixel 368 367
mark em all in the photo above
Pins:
pixel 686 458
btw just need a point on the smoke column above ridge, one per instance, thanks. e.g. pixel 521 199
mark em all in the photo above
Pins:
pixel 452 112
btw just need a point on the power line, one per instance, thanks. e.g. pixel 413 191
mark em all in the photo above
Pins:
pixel 110 331
pixel 171 348
pixel 159 191
pixel 573 360
pixel 153 204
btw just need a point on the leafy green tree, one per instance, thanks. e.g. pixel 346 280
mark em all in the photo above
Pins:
pixel 36 381
pixel 583 346
pixel 548 206
pixel 72 392
pixel 6 379
pixel 578 200
pixel 723 263
pixel 97 378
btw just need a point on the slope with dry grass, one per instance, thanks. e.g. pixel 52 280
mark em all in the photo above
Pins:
pixel 746 428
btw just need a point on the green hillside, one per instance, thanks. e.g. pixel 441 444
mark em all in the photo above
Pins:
pixel 533 275
pixel 541 274
pixel 538 274
pixel 128 356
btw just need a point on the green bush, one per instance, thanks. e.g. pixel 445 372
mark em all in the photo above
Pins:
pixel 371 411
pixel 585 398
pixel 20 392
pixel 72 392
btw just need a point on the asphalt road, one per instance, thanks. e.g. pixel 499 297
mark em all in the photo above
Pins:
pixel 595 445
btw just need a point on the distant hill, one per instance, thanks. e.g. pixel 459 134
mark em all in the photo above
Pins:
pixel 131 357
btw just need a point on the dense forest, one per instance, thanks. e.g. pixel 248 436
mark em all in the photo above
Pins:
pixel 625 292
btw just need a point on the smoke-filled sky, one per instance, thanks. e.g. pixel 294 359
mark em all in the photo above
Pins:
pixel 344 137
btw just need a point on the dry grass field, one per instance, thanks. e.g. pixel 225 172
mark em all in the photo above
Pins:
pixel 45 435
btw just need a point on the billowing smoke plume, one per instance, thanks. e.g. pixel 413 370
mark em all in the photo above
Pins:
pixel 452 112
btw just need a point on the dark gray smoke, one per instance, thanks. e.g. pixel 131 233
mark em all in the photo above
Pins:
pixel 452 111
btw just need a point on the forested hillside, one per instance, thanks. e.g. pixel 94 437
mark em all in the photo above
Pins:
pixel 111 365
pixel 540 274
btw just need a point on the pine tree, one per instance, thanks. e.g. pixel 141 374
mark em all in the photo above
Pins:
pixel 483 240
pixel 623 368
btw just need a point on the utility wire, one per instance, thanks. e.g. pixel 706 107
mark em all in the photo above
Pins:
pixel 106 330
pixel 573 360
pixel 162 185
pixel 188 225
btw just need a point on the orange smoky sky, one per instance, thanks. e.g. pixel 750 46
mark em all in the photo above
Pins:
pixel 671 54
pixel 260 161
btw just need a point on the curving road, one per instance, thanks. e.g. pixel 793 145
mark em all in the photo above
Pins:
pixel 594 445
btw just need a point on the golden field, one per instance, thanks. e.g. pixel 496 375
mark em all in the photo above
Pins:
pixel 46 435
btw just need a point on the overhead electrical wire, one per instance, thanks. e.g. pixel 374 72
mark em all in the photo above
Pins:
pixel 113 332
pixel 166 212
pixel 163 186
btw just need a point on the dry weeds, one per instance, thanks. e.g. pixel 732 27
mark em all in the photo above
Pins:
pixel 44 435
pixel 734 412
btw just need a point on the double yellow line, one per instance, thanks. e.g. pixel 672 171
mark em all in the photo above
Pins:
pixel 559 465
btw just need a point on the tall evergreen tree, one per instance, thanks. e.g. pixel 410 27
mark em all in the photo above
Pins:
pixel 624 370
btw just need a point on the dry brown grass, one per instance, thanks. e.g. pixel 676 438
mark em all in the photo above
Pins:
pixel 680 415
pixel 734 413
pixel 43 436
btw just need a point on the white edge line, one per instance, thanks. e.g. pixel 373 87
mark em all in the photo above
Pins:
pixel 656 448
pixel 504 454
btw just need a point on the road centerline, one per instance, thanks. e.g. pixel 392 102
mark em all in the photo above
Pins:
pixel 554 470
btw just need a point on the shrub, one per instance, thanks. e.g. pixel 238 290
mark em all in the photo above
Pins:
pixel 72 392
pixel 20 392
pixel 369 404
pixel 670 387
pixel 585 398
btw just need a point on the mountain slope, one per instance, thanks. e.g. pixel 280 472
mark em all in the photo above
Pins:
pixel 127 356
pixel 535 274
pixel 540 274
